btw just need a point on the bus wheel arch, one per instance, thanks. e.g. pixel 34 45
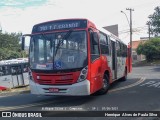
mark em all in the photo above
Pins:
pixel 106 83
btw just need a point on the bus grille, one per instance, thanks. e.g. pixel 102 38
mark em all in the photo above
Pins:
pixel 48 79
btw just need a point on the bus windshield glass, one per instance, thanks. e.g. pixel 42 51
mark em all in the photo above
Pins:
pixel 56 51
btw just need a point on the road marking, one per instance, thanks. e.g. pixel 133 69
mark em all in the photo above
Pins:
pixel 148 83
pixel 152 84
pixel 129 86
pixel 3 108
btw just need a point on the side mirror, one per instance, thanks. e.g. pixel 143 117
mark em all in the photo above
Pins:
pixel 23 43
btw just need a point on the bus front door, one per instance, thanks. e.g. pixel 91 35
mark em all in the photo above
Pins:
pixel 17 76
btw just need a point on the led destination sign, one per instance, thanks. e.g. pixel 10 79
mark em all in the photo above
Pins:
pixel 58 25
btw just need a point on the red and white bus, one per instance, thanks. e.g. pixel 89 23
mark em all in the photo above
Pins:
pixel 74 57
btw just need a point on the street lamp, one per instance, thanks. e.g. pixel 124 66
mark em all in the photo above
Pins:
pixel 126 17
pixel 130 25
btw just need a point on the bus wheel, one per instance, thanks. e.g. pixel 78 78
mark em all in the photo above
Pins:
pixel 105 87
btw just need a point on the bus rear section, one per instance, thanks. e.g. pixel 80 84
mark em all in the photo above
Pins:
pixel 69 57
pixel 14 73
pixel 129 59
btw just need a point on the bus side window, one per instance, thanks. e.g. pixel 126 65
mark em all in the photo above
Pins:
pixel 1 72
pixel 104 44
pixel 95 53
pixel 123 50
pixel 109 44
pixel 25 68
pixel 4 70
pixel 118 49
pixel 13 70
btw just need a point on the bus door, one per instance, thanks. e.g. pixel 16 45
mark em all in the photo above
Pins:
pixel 121 59
pixel 114 60
pixel 17 75
pixel 96 74
pixel 5 77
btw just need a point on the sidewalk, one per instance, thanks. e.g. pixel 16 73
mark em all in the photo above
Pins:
pixel 145 63
pixel 15 91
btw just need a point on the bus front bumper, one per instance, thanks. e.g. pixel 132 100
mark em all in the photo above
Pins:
pixel 77 89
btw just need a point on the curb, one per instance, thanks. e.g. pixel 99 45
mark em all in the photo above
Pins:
pixel 10 92
pixel 136 65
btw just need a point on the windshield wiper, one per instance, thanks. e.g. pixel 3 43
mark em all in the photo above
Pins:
pixel 66 36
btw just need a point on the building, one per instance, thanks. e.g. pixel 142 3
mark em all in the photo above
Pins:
pixel 135 56
pixel 113 29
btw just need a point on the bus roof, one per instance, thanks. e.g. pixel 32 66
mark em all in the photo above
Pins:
pixel 109 34
pixel 14 61
pixel 89 25
pixel 63 24
pixel 63 20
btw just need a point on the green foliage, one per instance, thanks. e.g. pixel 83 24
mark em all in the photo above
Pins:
pixel 140 49
pixel 9 46
pixel 151 49
pixel 155 21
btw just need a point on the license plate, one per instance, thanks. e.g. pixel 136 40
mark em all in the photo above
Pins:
pixel 53 90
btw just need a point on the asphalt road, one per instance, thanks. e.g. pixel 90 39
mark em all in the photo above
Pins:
pixel 141 92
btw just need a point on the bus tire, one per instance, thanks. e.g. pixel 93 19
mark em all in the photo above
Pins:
pixel 105 87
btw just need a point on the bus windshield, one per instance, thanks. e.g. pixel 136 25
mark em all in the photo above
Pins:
pixel 55 51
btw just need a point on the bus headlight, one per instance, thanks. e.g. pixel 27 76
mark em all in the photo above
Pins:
pixel 83 74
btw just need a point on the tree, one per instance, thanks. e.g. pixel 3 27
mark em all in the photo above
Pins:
pixel 151 49
pixel 155 22
pixel 9 46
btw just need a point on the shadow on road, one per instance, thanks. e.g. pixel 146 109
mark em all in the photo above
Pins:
pixel 56 101
pixel 157 69
pixel 51 101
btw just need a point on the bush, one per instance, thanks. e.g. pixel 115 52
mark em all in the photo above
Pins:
pixel 151 49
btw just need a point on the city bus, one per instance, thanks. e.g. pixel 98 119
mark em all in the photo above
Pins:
pixel 73 57
pixel 14 73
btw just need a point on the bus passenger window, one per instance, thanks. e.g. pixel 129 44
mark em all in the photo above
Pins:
pixel 1 71
pixel 118 49
pixel 104 44
pixel 25 68
pixel 4 70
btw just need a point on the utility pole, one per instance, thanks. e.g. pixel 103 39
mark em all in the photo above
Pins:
pixel 149 30
pixel 130 9
pixel 0 28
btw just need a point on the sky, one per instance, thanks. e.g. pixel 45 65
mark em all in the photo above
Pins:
pixel 21 15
